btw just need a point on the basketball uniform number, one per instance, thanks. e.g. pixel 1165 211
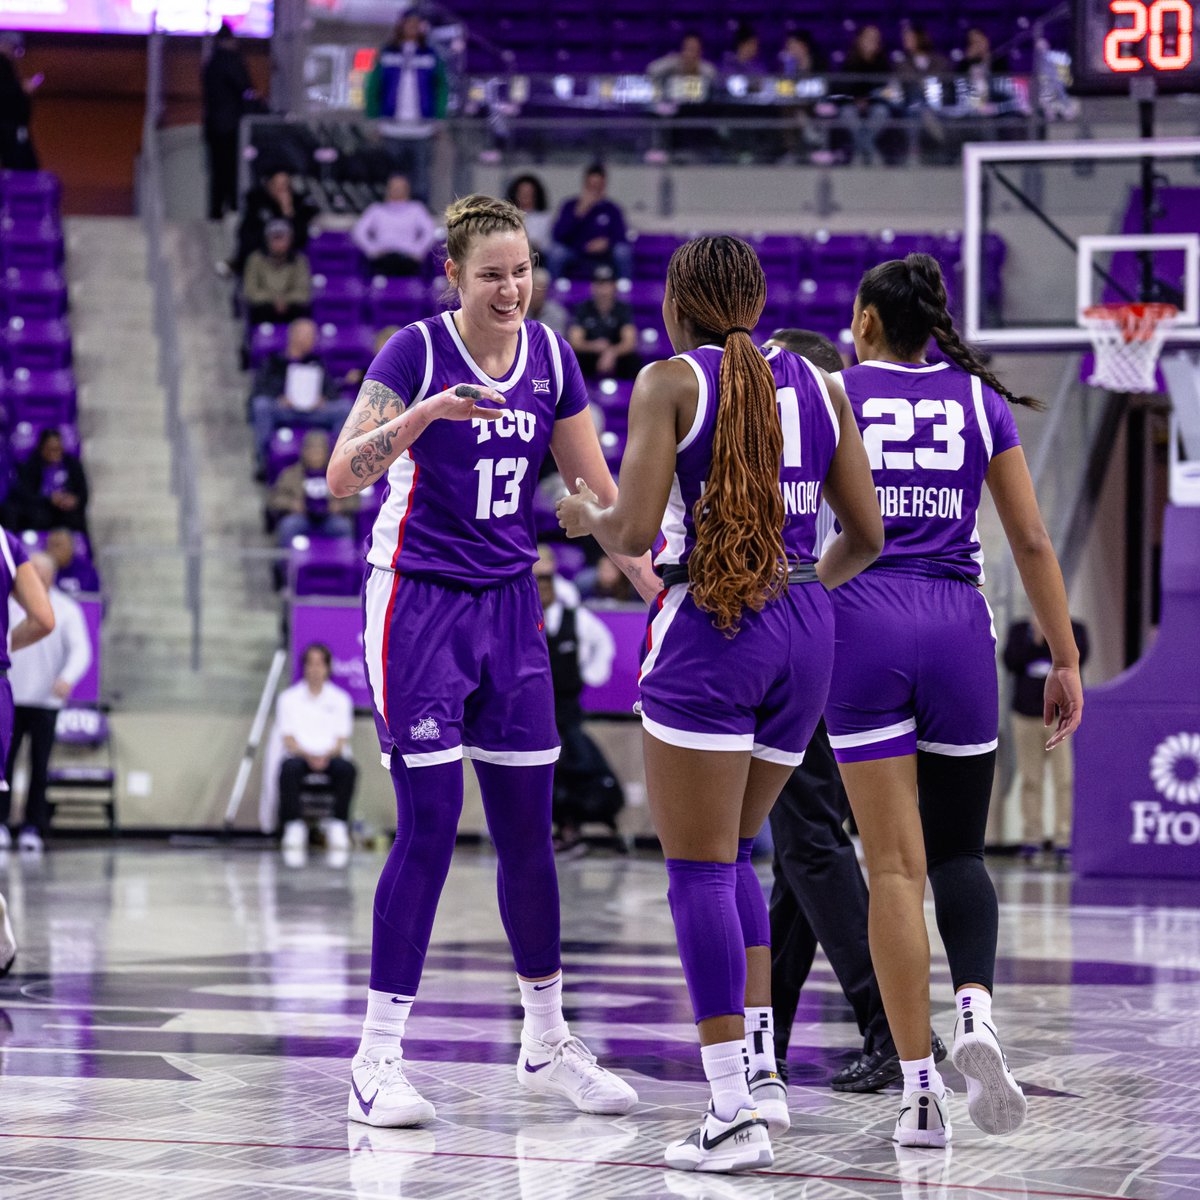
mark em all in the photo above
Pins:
pixel 789 419
pixel 902 427
pixel 492 472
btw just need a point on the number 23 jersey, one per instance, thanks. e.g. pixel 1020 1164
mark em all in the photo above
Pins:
pixel 931 431
pixel 459 504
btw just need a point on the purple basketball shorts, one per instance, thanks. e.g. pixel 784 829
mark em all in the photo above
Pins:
pixel 762 690
pixel 459 673
pixel 6 724
pixel 914 668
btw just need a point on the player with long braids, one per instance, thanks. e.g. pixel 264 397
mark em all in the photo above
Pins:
pixel 913 708
pixel 730 450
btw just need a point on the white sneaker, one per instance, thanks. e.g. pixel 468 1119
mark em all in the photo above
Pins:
pixel 5 838
pixel 29 841
pixel 295 836
pixel 742 1144
pixel 994 1097
pixel 568 1068
pixel 923 1120
pixel 8 939
pixel 769 1093
pixel 380 1093
pixel 337 835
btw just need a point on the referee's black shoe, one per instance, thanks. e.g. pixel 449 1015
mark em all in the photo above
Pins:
pixel 875 1071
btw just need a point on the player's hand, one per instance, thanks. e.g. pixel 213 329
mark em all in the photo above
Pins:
pixel 1063 703
pixel 460 403
pixel 575 512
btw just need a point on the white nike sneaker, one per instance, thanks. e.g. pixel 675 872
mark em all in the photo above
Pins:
pixel 8 939
pixel 568 1068
pixel 295 836
pixel 923 1120
pixel 742 1144
pixel 769 1093
pixel 381 1095
pixel 994 1097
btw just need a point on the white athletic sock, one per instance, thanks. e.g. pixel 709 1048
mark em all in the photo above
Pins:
pixel 978 1000
pixel 921 1075
pixel 542 1002
pixel 387 1014
pixel 725 1070
pixel 760 1039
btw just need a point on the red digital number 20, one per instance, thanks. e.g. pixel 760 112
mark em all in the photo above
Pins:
pixel 1149 19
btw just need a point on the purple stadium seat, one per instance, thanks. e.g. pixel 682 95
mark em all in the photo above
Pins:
pixel 41 295
pixel 338 300
pixel 324 567
pixel 840 256
pixel 283 450
pixel 344 349
pixel 39 397
pixel 35 539
pixel 572 292
pixel 332 254
pixel 652 252
pixel 38 345
pixel 30 195
pixel 33 245
pixel 397 301
pixel 571 559
pixel 266 340
pixel 24 438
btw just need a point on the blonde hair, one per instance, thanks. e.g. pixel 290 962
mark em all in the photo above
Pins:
pixel 477 216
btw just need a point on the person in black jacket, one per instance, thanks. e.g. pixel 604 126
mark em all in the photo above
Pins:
pixel 16 145
pixel 274 199
pixel 50 489
pixel 228 95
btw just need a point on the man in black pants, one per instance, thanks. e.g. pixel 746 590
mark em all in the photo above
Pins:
pixel 819 895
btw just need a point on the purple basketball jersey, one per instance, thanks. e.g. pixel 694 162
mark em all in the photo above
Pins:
pixel 12 555
pixel 931 431
pixel 459 504
pixel 810 437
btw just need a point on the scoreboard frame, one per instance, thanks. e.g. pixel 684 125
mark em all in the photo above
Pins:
pixel 1118 42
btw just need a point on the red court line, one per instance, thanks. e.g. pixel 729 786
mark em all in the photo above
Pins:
pixel 599 1162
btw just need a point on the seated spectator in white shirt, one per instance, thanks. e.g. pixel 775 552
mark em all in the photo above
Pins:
pixel 316 719
pixel 397 233
pixel 42 677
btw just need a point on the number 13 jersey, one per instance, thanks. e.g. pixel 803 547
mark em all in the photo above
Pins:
pixel 931 431
pixel 459 504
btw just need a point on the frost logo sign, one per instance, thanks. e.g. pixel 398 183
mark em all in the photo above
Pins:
pixel 1175 773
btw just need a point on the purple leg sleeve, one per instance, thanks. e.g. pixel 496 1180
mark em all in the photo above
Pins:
pixel 428 804
pixel 516 802
pixel 703 902
pixel 751 903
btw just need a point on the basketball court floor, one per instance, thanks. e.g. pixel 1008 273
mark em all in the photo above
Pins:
pixel 179 1022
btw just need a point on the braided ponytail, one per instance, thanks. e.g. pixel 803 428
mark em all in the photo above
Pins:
pixel 739 559
pixel 910 296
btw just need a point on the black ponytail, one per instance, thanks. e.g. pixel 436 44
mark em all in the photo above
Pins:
pixel 910 297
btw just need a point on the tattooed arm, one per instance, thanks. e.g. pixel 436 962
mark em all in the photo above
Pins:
pixel 379 429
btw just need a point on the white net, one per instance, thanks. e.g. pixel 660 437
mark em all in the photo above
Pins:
pixel 1127 339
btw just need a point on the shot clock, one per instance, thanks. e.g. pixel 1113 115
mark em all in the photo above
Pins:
pixel 1120 41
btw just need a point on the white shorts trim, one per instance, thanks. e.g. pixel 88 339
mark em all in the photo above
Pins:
pixel 513 758
pixel 783 757
pixel 868 737
pixel 433 758
pixel 672 602
pixel 690 739
pixel 954 751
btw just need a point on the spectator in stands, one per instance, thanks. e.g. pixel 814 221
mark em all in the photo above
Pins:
pixel 543 307
pixel 867 111
pixel 315 718
pixel 688 62
pixel 395 234
pixel 745 58
pixel 300 499
pixel 228 96
pixel 581 653
pixel 50 488
pixel 42 676
pixel 590 232
pixel 602 332
pixel 74 573
pixel 528 193
pixel 407 92
pixel 273 200
pixel 16 108
pixel 293 388
pixel 978 65
pixel 277 283
pixel 919 57
pixel 1027 658
pixel 919 62
pixel 605 581
pixel 798 58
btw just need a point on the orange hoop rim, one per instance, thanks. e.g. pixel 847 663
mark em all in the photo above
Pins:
pixel 1137 322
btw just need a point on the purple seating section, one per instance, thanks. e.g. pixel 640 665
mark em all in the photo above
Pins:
pixel 634 32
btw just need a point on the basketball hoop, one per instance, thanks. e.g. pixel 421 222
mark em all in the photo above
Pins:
pixel 1127 339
